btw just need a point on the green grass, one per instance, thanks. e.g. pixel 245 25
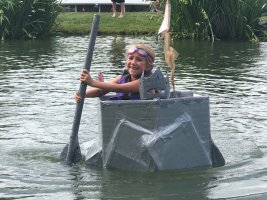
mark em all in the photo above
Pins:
pixel 133 23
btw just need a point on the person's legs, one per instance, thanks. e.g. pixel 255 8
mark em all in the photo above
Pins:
pixel 114 8
pixel 122 10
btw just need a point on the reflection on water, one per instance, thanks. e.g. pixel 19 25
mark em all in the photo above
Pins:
pixel 163 185
pixel 38 79
pixel 117 52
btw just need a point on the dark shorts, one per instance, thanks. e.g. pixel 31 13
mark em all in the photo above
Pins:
pixel 118 1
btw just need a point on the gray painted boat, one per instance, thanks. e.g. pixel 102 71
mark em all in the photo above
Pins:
pixel 163 131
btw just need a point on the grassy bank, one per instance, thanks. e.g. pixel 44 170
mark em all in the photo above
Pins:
pixel 133 23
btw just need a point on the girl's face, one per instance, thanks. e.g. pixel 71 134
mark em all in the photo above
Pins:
pixel 136 64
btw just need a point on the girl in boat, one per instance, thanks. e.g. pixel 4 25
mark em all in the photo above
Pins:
pixel 139 58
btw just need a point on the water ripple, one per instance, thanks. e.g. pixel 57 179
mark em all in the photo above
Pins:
pixel 38 80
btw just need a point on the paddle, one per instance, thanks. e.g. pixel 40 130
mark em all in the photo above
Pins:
pixel 72 152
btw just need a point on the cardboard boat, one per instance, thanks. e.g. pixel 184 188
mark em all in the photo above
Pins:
pixel 162 131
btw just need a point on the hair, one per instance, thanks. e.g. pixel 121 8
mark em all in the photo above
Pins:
pixel 145 47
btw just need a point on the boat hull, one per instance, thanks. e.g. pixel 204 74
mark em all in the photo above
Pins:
pixel 152 135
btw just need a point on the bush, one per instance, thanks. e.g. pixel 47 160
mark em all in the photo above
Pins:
pixel 27 18
pixel 221 19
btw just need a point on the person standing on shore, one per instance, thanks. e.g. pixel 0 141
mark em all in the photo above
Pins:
pixel 122 3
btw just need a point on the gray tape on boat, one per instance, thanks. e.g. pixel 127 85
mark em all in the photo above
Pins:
pixel 150 135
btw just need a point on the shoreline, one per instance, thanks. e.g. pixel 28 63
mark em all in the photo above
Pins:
pixel 133 23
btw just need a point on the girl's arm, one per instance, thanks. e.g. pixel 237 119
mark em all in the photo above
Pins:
pixel 132 86
pixel 93 91
pixel 111 86
pixel 97 92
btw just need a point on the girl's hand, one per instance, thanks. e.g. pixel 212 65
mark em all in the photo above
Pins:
pixel 77 97
pixel 86 77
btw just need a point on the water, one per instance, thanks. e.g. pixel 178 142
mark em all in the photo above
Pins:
pixel 38 79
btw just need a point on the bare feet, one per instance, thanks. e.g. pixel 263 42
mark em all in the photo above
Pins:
pixel 114 15
pixel 121 16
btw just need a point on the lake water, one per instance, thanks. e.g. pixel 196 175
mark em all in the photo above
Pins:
pixel 37 83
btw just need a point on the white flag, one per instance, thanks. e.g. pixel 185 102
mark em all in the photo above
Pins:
pixel 165 26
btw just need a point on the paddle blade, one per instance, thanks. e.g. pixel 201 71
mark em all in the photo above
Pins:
pixel 76 156
pixel 217 157
pixel 64 153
